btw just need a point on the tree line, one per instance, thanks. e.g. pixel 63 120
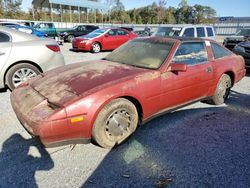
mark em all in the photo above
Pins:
pixel 156 13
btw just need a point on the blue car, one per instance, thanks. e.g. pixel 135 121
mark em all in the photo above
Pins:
pixel 28 29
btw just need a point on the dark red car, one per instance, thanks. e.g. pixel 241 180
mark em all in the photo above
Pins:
pixel 102 39
pixel 106 99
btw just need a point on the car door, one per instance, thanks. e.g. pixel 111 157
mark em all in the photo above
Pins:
pixel 5 48
pixel 122 37
pixel 184 87
pixel 109 41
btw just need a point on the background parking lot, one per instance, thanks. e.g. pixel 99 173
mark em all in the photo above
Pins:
pixel 197 146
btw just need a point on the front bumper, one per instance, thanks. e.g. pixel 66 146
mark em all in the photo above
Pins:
pixel 81 46
pixel 33 112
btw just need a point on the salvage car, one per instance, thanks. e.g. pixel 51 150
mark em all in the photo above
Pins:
pixel 24 56
pixel 231 41
pixel 102 39
pixel 243 49
pixel 79 30
pixel 106 99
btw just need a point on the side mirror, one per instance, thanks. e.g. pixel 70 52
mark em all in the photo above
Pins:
pixel 178 67
pixel 106 35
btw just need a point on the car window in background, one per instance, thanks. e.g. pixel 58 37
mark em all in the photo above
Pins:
pixel 200 32
pixel 96 33
pixel 210 32
pixel 144 53
pixel 243 32
pixel 112 32
pixel 219 51
pixel 189 32
pixel 4 37
pixel 81 28
pixel 167 31
pixel 191 53
pixel 121 32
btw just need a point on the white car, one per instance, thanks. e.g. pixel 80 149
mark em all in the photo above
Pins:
pixel 201 31
pixel 23 56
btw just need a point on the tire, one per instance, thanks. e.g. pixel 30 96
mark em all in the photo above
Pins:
pixel 70 38
pixel 96 47
pixel 115 123
pixel 222 91
pixel 20 73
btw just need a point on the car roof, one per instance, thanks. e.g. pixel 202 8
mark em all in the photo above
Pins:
pixel 17 36
pixel 177 39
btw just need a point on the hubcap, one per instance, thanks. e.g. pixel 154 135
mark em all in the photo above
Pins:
pixel 96 48
pixel 224 89
pixel 22 75
pixel 118 125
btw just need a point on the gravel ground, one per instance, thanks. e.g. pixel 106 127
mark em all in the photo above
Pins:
pixel 197 146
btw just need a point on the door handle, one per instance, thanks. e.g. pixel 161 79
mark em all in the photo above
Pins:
pixel 2 53
pixel 209 70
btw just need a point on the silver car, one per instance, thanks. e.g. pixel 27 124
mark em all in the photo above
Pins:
pixel 23 56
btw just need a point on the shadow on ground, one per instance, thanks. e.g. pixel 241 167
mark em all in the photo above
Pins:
pixel 204 147
pixel 17 166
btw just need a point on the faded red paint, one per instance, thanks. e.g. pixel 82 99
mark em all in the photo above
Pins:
pixel 46 105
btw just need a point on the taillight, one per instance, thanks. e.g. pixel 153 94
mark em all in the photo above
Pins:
pixel 54 48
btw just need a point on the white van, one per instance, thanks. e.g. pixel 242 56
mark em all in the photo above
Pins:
pixel 202 31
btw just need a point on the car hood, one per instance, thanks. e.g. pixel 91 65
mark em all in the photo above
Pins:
pixel 67 83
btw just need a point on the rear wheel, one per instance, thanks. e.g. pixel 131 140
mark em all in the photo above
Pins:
pixel 20 73
pixel 96 47
pixel 222 90
pixel 115 123
pixel 70 38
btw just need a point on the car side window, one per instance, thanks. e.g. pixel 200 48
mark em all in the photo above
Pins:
pixel 191 53
pixel 189 32
pixel 210 32
pixel 81 28
pixel 219 51
pixel 200 32
pixel 122 32
pixel 112 32
pixel 4 37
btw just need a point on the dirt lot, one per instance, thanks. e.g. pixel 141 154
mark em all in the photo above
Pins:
pixel 197 146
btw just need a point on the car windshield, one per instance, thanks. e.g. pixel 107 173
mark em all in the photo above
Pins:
pixel 168 31
pixel 96 33
pixel 243 32
pixel 145 53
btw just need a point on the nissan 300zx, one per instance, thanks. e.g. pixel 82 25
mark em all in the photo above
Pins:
pixel 105 100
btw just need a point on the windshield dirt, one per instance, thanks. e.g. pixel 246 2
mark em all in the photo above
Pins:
pixel 144 53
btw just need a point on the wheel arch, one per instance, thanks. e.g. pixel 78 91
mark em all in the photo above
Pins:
pixel 20 62
pixel 232 76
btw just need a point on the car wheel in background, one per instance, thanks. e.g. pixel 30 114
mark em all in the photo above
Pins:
pixel 222 90
pixel 70 38
pixel 96 47
pixel 20 73
pixel 115 123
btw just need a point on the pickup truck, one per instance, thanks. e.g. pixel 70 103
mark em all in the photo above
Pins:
pixel 50 29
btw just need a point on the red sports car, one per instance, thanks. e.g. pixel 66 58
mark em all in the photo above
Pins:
pixel 106 99
pixel 102 39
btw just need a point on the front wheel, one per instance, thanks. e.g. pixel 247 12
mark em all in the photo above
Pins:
pixel 115 123
pixel 96 47
pixel 222 90
pixel 19 74
pixel 70 38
